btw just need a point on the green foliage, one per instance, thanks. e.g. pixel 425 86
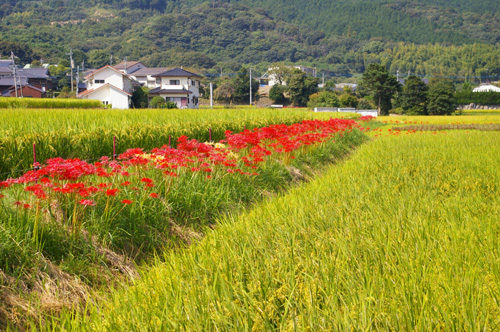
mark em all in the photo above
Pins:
pixel 382 86
pixel 365 104
pixel 480 98
pixel 157 102
pixel 140 97
pixel 241 84
pixel 441 98
pixel 300 86
pixel 277 94
pixel 98 58
pixel 348 100
pixel 413 99
pixel 323 99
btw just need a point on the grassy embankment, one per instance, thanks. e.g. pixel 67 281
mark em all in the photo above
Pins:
pixel 88 134
pixel 403 236
pixel 62 238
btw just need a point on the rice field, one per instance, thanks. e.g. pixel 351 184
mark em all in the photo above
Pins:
pixel 401 237
pixel 90 134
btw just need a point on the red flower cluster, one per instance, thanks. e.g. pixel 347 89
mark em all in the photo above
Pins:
pixel 239 153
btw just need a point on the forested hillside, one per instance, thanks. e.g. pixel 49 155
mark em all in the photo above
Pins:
pixel 427 37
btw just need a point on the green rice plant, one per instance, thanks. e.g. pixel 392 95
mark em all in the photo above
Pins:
pixel 401 237
pixel 37 103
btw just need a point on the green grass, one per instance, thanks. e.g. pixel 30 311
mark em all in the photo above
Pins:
pixel 401 237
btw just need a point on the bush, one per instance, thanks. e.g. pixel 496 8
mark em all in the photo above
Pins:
pixel 323 99
pixel 157 102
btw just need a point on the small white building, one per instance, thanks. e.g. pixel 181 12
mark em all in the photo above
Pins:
pixel 110 86
pixel 146 76
pixel 179 86
pixel 486 87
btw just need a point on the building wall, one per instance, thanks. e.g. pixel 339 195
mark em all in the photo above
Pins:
pixel 110 96
pixel 109 76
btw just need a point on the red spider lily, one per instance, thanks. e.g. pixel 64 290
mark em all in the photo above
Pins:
pixel 112 192
pixel 2 196
pixel 127 201
pixel 147 180
pixel 18 203
pixel 124 184
pixel 26 206
pixel 153 195
pixel 87 202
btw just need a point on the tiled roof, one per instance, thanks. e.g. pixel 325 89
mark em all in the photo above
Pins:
pixel 177 72
pixel 121 65
pixel 149 71
pixel 9 81
pixel 87 92
pixel 160 91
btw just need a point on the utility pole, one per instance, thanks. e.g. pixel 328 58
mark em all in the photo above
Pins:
pixel 397 75
pixel 77 78
pixel 250 85
pixel 71 65
pixel 323 80
pixel 14 68
pixel 111 60
pixel 211 95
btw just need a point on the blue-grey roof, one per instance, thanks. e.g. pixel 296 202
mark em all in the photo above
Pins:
pixel 177 72
pixel 161 91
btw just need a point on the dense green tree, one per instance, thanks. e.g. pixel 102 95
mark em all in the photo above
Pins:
pixel 277 94
pixel 140 97
pixel 21 51
pixel 413 99
pixel 441 98
pixel 382 86
pixel 98 58
pixel 300 87
pixel 225 91
pixel 241 84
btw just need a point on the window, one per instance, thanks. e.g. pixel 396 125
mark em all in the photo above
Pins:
pixel 105 102
pixel 193 83
pixel 98 81
pixel 158 81
pixel 175 82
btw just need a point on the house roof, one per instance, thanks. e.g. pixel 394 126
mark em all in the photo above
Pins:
pixel 9 81
pixel 177 72
pixel 34 72
pixel 160 91
pixel 129 64
pixel 101 69
pixel 30 87
pixel 5 63
pixel 149 71
pixel 91 91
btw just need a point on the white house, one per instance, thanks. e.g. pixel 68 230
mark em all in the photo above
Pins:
pixel 110 86
pixel 486 88
pixel 178 85
pixel 146 76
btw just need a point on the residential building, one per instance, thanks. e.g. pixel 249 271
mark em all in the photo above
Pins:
pixel 110 86
pixel 179 86
pixel 147 76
